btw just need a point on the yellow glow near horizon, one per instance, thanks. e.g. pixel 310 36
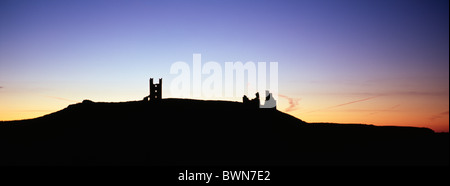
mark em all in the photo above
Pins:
pixel 404 111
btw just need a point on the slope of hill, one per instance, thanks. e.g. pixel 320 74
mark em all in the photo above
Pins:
pixel 196 132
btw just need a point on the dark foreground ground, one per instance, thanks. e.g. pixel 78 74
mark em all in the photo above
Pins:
pixel 176 132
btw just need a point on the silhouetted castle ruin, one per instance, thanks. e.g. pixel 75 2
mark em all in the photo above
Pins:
pixel 254 103
pixel 155 91
pixel 270 102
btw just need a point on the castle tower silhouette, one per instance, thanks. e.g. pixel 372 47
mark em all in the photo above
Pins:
pixel 155 91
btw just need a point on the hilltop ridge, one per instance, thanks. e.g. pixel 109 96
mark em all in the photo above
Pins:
pixel 196 132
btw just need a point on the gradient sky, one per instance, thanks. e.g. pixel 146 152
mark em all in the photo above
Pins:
pixel 351 61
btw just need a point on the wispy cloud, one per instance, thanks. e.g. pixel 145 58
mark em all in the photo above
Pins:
pixel 293 103
pixel 351 102
pixel 390 109
pixel 389 93
pixel 63 99
pixel 344 104
pixel 437 116
pixel 414 93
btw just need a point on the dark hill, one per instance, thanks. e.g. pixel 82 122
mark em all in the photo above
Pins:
pixel 195 132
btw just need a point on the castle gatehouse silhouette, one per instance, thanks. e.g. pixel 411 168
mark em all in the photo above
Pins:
pixel 269 102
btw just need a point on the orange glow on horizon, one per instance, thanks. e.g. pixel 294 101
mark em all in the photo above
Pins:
pixel 377 111
pixel 382 111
